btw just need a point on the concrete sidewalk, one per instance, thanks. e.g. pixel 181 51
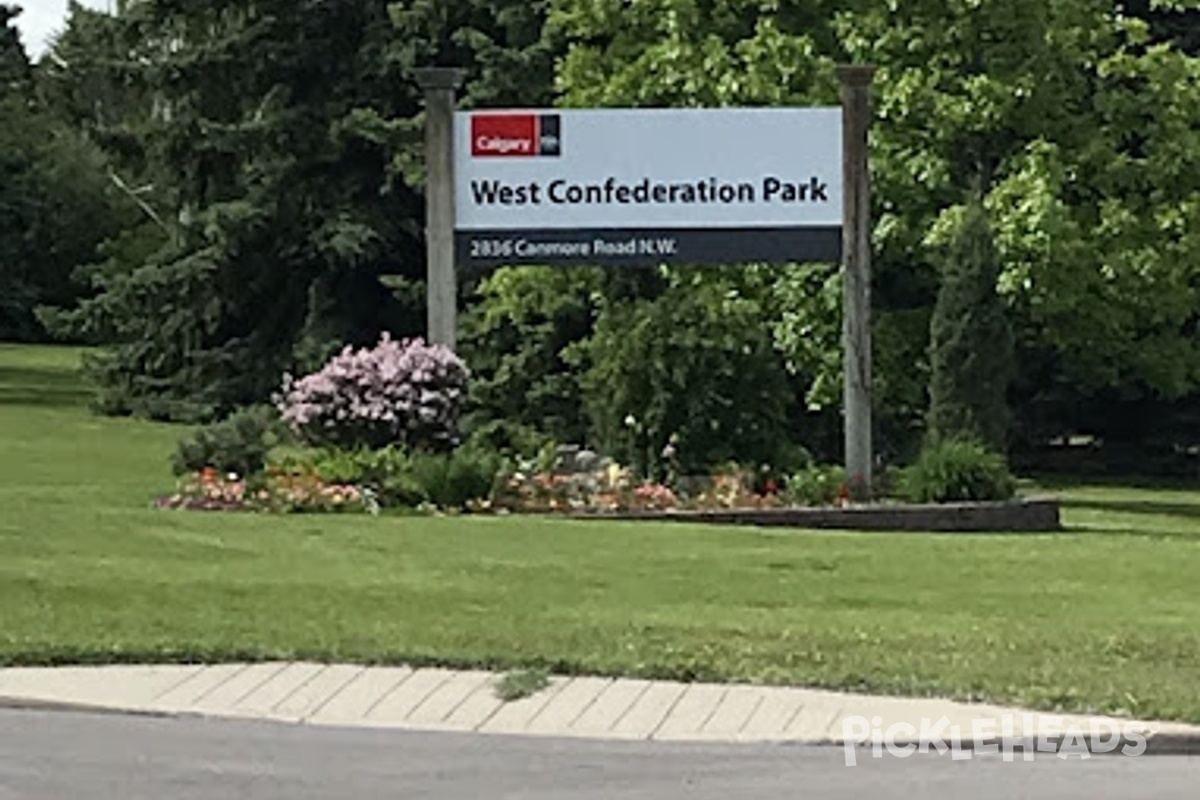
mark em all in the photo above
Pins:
pixel 440 699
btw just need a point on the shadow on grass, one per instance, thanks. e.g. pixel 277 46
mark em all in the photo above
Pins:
pixel 47 387
pixel 1191 511
pixel 1058 482
pixel 1141 532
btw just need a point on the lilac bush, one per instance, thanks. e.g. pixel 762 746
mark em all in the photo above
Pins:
pixel 406 393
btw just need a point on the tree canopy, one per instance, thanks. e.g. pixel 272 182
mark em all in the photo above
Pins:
pixel 56 203
pixel 250 180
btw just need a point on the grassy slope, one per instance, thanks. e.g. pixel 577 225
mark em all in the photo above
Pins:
pixel 1102 618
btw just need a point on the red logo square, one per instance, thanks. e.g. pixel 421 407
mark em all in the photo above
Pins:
pixel 504 135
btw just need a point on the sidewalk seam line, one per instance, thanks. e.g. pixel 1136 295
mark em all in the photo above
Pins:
pixel 792 718
pixel 825 732
pixel 762 698
pixel 632 705
pixel 298 687
pixel 387 692
pixel 562 688
pixel 260 684
pixel 499 705
pixel 590 703
pixel 432 690
pixel 482 684
pixel 713 713
pixel 549 694
pixel 445 683
pixel 478 728
pixel 317 709
pixel 241 668
pixel 654 732
pixel 196 670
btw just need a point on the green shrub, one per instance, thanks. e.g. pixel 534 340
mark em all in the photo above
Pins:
pixel 238 443
pixel 509 438
pixel 971 340
pixel 692 372
pixel 953 470
pixel 388 472
pixel 815 485
pixel 514 335
pixel 341 466
pixel 406 480
pixel 452 480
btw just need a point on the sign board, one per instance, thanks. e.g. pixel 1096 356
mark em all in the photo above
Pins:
pixel 648 186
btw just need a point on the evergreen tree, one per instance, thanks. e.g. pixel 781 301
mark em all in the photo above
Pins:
pixel 971 343
pixel 14 64
pixel 289 137
pixel 55 202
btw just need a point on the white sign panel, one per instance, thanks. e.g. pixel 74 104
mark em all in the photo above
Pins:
pixel 648 185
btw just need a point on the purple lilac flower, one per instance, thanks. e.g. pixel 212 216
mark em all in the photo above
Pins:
pixel 402 392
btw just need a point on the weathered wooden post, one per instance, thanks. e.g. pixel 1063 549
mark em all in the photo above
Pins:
pixel 440 85
pixel 856 275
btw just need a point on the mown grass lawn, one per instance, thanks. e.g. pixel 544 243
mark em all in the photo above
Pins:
pixel 1105 617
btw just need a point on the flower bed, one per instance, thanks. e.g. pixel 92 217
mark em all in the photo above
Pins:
pixel 612 492
pixel 613 488
pixel 276 490
pixel 339 481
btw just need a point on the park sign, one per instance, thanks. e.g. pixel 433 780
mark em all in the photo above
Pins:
pixel 648 186
pixel 690 186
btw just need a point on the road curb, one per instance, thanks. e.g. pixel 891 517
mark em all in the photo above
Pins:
pixel 1159 744
pixel 69 706
pixel 435 700
pixel 1168 743
pixel 1173 744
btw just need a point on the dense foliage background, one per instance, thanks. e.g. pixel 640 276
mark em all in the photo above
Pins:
pixel 221 192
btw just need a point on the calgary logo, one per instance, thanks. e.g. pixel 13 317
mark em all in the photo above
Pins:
pixel 515 135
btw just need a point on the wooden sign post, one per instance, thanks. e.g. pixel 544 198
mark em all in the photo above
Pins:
pixel 440 85
pixel 856 275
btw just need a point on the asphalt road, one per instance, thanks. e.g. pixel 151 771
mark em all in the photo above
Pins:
pixel 90 756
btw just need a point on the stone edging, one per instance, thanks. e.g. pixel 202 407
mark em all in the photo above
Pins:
pixel 1024 516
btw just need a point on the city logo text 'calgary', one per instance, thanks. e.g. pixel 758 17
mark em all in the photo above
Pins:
pixel 515 135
